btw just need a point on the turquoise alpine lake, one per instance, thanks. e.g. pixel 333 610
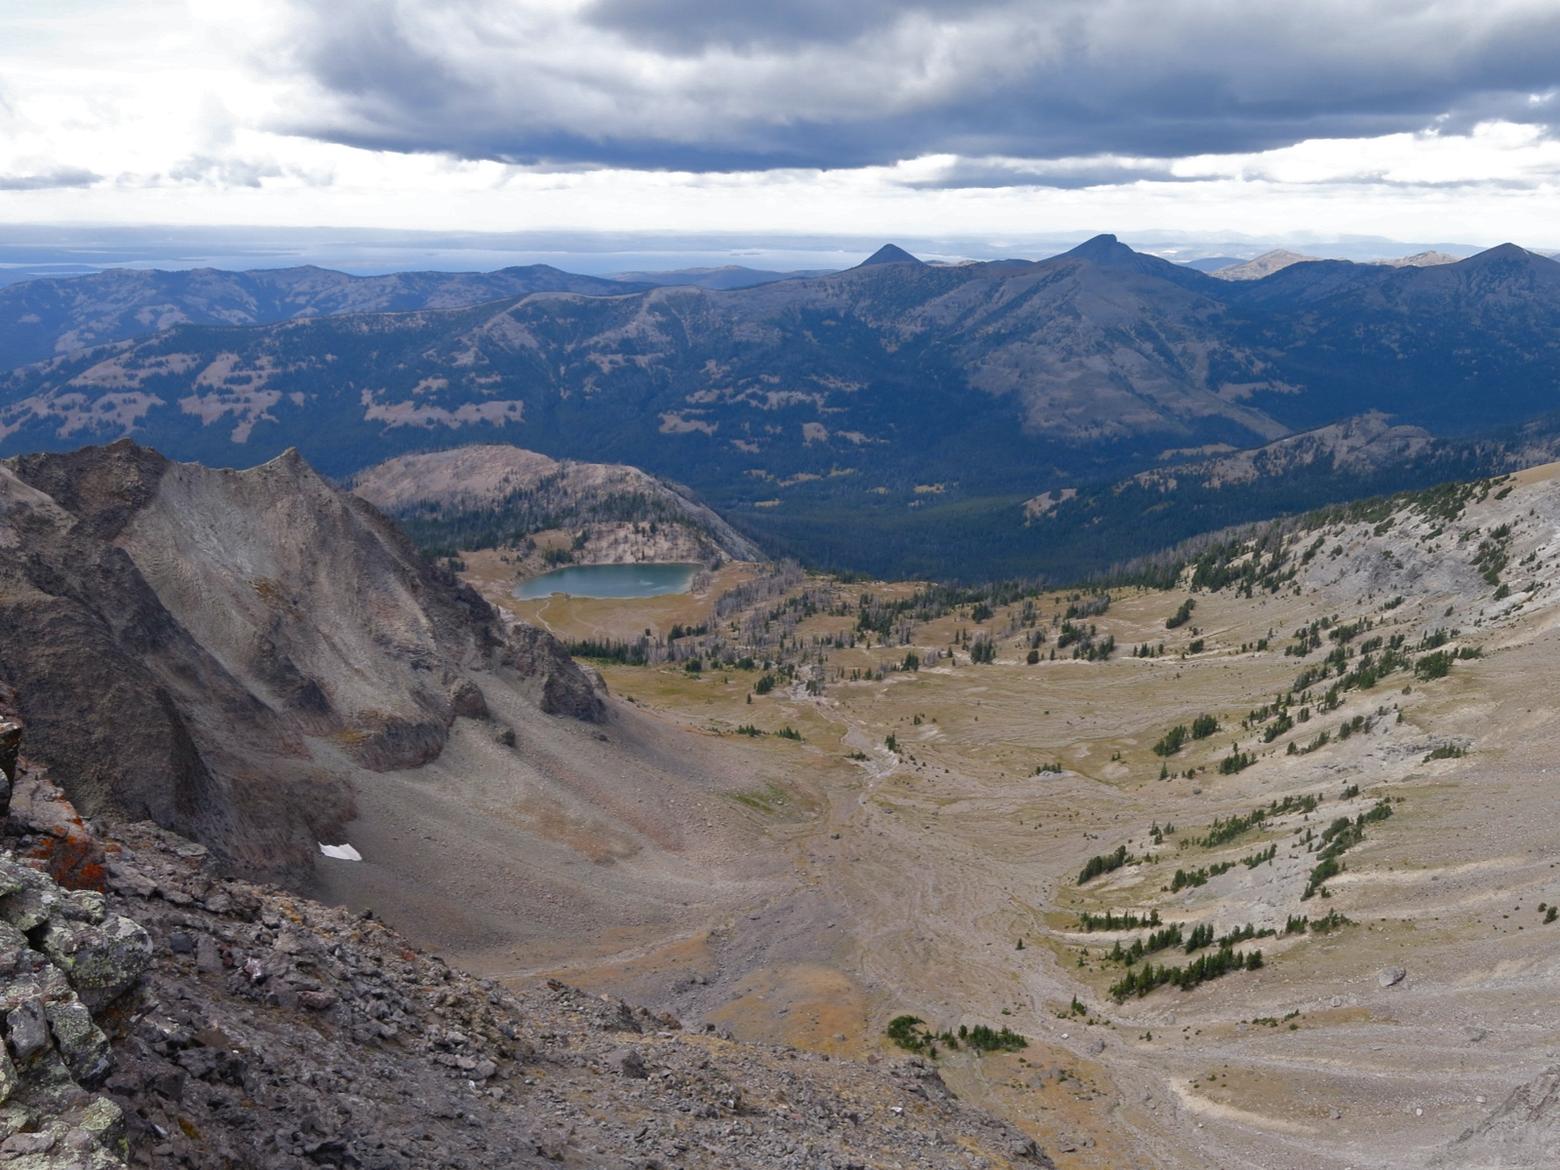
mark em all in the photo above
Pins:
pixel 609 581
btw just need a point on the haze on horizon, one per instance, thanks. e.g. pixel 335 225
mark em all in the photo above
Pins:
pixel 973 119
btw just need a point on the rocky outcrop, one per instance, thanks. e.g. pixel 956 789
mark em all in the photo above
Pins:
pixel 565 687
pixel 71 977
pixel 228 652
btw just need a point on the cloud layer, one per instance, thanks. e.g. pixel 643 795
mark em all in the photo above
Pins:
pixel 996 118
pixel 710 85
pixel 52 179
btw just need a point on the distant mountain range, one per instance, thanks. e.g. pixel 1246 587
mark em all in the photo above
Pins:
pixel 42 318
pixel 858 418
pixel 1213 263
pixel 1421 260
pixel 725 276
pixel 1270 262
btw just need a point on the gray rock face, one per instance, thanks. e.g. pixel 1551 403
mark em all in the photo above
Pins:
pixel 239 688
pixel 27 1029
pixel 1523 1131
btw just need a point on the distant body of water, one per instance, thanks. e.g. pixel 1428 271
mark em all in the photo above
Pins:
pixel 609 581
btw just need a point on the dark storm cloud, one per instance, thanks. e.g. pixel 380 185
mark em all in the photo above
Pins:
pixel 57 178
pixel 714 85
pixel 690 27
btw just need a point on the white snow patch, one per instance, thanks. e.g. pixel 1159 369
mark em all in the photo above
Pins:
pixel 340 852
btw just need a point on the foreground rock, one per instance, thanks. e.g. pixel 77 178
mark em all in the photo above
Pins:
pixel 71 981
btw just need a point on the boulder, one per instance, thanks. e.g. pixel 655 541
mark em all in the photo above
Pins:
pixel 27 1029
pixel 627 1062
pixel 81 1043
pixel 103 961
pixel 468 701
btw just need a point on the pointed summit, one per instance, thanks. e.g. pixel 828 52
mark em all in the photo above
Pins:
pixel 1102 249
pixel 1106 254
pixel 1500 253
pixel 888 254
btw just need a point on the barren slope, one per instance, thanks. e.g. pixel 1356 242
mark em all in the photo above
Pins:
pixel 161 1013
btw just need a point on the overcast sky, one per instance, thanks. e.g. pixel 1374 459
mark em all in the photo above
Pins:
pixel 1413 120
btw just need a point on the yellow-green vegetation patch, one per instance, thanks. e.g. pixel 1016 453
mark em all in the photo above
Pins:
pixel 771 798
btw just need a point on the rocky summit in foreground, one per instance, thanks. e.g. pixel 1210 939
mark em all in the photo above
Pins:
pixel 229 652
pixel 160 1015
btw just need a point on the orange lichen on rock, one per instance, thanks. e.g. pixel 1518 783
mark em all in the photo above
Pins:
pixel 72 859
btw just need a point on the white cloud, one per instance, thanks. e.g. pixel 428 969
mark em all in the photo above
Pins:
pixel 183 109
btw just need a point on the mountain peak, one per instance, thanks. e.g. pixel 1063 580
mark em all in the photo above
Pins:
pixel 1101 248
pixel 1501 253
pixel 889 254
pixel 1106 253
pixel 1271 261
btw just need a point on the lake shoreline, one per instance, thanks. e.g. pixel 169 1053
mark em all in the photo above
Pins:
pixel 610 581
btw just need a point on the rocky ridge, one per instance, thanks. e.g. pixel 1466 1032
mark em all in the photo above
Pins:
pixel 1353 446
pixel 486 494
pixel 227 653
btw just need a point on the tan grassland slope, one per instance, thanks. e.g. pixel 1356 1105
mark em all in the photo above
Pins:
pixel 1389 662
